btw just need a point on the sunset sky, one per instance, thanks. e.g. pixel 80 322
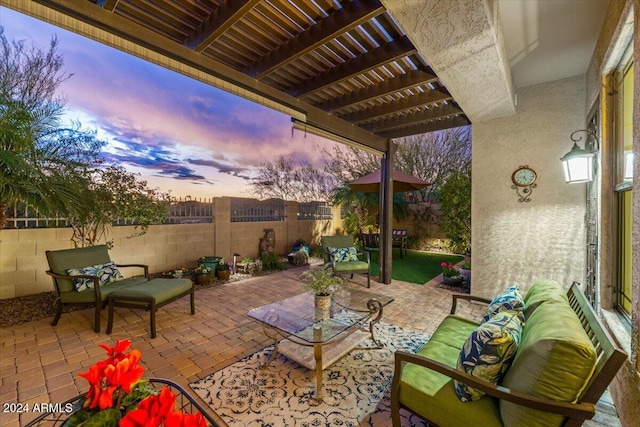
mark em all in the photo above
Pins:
pixel 181 135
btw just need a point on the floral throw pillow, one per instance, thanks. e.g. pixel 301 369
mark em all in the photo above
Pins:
pixel 509 299
pixel 344 254
pixel 107 273
pixel 489 351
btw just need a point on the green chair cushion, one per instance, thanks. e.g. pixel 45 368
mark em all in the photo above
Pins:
pixel 335 242
pixel 542 291
pixel 555 360
pixel 89 295
pixel 62 260
pixel 352 266
pixel 432 395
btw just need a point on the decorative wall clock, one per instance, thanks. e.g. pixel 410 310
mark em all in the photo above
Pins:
pixel 524 181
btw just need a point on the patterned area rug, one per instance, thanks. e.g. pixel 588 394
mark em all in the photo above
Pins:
pixel 355 388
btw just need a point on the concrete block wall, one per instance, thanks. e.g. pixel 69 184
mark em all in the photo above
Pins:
pixel 164 247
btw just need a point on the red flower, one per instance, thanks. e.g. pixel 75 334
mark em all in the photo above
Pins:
pixel 151 411
pixel 443 264
pixel 105 377
pixel 185 420
pixel 117 352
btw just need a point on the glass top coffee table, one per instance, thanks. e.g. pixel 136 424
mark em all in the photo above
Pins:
pixel 317 338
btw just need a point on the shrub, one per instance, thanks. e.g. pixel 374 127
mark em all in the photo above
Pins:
pixel 270 262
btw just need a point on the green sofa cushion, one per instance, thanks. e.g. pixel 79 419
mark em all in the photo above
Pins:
pixel 432 395
pixel 555 360
pixel 62 260
pixel 488 351
pixel 89 295
pixel 542 291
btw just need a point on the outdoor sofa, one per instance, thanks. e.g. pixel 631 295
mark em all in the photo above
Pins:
pixel 564 360
pixel 69 266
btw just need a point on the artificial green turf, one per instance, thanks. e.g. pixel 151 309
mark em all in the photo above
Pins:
pixel 416 266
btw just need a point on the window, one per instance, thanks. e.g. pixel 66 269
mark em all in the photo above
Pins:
pixel 624 179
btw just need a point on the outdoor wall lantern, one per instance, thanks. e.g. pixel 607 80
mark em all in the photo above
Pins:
pixel 578 163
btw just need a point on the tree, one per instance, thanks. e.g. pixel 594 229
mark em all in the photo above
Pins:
pixel 56 168
pixel 41 162
pixel 455 204
pixel 432 157
pixel 286 180
pixel 115 194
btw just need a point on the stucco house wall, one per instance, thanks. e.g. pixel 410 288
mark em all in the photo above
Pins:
pixel 521 242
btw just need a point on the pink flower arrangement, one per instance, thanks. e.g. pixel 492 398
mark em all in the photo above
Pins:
pixel 449 270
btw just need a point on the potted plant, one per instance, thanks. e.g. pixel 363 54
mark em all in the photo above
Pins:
pixel 324 284
pixel 223 271
pixel 465 272
pixel 203 274
pixel 300 245
pixel 119 396
pixel 450 274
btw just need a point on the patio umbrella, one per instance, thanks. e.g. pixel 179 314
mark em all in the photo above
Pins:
pixel 402 182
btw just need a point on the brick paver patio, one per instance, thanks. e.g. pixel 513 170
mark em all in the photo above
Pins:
pixel 39 363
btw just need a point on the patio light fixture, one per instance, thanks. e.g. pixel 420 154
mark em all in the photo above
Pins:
pixel 578 163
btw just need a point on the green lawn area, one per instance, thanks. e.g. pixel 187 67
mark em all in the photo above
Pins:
pixel 416 267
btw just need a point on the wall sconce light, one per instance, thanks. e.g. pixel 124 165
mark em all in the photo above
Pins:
pixel 578 163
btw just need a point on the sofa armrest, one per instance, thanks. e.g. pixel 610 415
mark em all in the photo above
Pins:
pixel 572 410
pixel 96 282
pixel 456 297
pixel 144 266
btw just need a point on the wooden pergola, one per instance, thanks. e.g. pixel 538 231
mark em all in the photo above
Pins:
pixel 341 69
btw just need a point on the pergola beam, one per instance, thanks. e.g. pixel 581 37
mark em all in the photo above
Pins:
pixel 373 59
pixel 411 118
pixel 215 26
pixel 387 87
pixel 339 22
pixel 433 126
pixel 409 102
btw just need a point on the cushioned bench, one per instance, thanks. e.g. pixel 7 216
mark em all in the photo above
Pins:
pixel 150 296
pixel 562 365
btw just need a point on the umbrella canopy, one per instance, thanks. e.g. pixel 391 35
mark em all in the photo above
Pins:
pixel 402 182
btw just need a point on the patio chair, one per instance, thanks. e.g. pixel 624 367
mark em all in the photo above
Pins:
pixel 370 242
pixel 341 255
pixel 93 294
pixel 399 239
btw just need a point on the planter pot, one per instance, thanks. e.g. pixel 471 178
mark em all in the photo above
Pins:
pixel 322 304
pixel 453 281
pixel 211 262
pixel 305 248
pixel 223 275
pixel 203 279
pixel 466 274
